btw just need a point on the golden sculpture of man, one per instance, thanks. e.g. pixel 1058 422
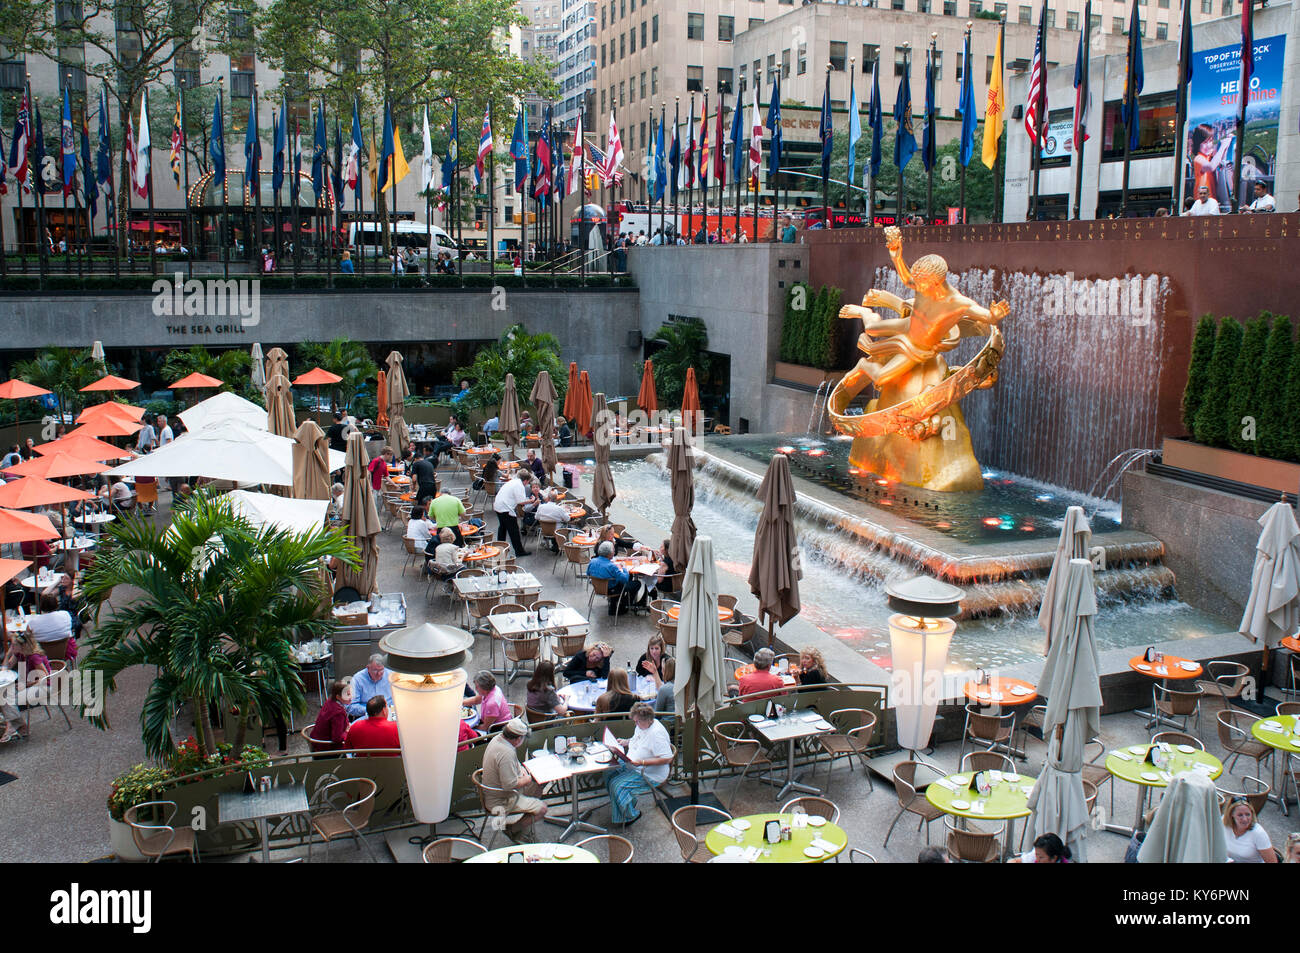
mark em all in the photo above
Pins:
pixel 928 324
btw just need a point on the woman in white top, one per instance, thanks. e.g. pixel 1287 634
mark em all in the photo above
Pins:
pixel 649 754
pixel 420 528
pixel 1248 843
pixel 448 555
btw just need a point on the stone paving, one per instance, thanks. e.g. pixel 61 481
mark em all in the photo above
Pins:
pixel 55 810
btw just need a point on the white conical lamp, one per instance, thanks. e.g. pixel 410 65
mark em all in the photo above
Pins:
pixel 920 634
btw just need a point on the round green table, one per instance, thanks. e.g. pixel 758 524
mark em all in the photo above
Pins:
pixel 786 852
pixel 536 853
pixel 1133 769
pixel 1006 801
pixel 1286 740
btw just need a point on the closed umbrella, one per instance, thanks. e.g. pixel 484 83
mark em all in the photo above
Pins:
pixel 1188 827
pixel 646 397
pixel 602 482
pixel 362 517
pixel 1272 610
pixel 17 390
pixel 1071 682
pixel 682 478
pixel 582 406
pixel 700 680
pixel 381 397
pixel 691 403
pixel 311 461
pixel 279 407
pixel 775 571
pixel 98 357
pixel 571 391
pixel 277 362
pixel 1074 543
pixel 259 367
pixel 543 398
pixel 223 407
pixel 399 435
pixel 508 416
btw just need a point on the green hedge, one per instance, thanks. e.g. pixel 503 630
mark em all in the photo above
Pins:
pixel 810 334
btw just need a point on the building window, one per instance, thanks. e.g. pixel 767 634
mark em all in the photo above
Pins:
pixel 242 69
pixel 870 53
pixel 622 93
pixel 654 80
pixel 695 79
pixel 771 63
pixel 801 58
pixel 631 90
pixel 743 81
pixel 937 64
pixel 602 56
pixel 1051 18
pixel 726 29
pixel 631 40
pixel 900 60
pixel 1072 21
pixel 950 8
pixel 1162 31
pixel 724 79
pixel 695 26
pixel 922 6
pixel 642 130
pixel 1117 25
pixel 1207 6
pixel 1162 4
pixel 839 55
pixel 975 9
pixel 754 22
pixel 1094 22
pixel 654 28
pixel 1000 9
pixel 622 9
pixel 622 45
pixel 785 64
pixel 895 4
pixel 1026 14
pixel 602 97
pixel 643 27
pixel 1156 117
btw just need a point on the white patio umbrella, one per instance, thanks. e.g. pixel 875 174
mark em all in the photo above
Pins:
pixel 229 451
pixel 1273 609
pixel 267 509
pixel 700 678
pixel 1072 685
pixel 259 366
pixel 222 407
pixel 1187 828
pixel 1074 543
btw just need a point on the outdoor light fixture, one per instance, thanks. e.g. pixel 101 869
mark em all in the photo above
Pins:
pixel 920 632
pixel 426 671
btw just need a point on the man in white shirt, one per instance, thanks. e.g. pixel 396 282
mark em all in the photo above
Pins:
pixel 511 494
pixel 1263 201
pixel 1204 205
pixel 549 509
pixel 146 439
pixel 165 435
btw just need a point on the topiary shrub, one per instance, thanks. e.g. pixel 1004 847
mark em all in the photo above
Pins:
pixel 1274 427
pixel 1213 417
pixel 1198 371
pixel 1243 413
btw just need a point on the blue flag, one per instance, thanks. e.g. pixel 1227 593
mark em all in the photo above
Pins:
pixel 387 149
pixel 876 119
pixel 561 168
pixel 904 139
pixel 674 162
pixel 87 177
pixel 855 128
pixel 252 150
pixel 661 170
pixel 295 172
pixel 104 154
pixel 278 134
pixel 928 154
pixel 519 149
pixel 68 141
pixel 739 148
pixel 966 105
pixel 452 158
pixel 1133 80
pixel 217 144
pixel 774 127
pixel 826 131
pixel 319 148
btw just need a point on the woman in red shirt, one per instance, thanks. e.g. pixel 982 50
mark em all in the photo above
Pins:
pixel 331 728
pixel 379 468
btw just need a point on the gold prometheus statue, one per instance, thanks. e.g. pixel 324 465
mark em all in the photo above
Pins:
pixel 914 431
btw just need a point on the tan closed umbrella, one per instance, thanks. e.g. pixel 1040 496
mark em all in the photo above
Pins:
pixel 602 482
pixel 279 407
pixel 1273 606
pixel 682 477
pixel 775 571
pixel 543 397
pixel 311 462
pixel 508 416
pixel 277 362
pixel 362 518
pixel 701 680
pixel 258 372
pixel 1074 543
pixel 399 436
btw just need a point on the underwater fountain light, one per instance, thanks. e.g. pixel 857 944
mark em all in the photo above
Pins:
pixel 785 449
pixel 920 632
pixel 1043 498
pixel 992 521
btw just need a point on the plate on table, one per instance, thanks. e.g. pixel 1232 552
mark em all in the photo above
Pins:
pixel 604 757
pixel 1188 666
pixel 741 824
pixel 816 820
pixel 814 852
pixel 755 718
pixel 1012 778
pixel 959 779
pixel 562 853
pixel 1138 749
pixel 1144 666
pixel 1187 749
pixel 1020 691
pixel 961 805
pixel 1150 776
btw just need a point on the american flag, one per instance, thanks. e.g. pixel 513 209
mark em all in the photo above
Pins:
pixel 1037 88
pixel 22 136
pixel 484 144
pixel 601 164
pixel 615 156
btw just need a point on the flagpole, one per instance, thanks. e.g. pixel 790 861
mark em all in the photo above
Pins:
pixel 902 198
pixel 492 215
pixel 225 192
pixel 826 195
pixel 295 189
pixel 277 229
pixel 556 193
pixel 67 245
pixel 4 254
pixel 327 218
pixel 662 186
pixel 704 173
pixel 676 186
pixel 997 156
pixel 1130 97
pixel 929 133
pixel 1243 101
pixel 18 189
pixel 254 186
pixel 111 223
pixel 34 176
pixel 358 199
pixel 1180 121
pixel 1081 106
pixel 756 176
pixel 581 146
pixel 381 227
pixel 1036 152
pixel 185 191
pixel 428 200
pixel 965 69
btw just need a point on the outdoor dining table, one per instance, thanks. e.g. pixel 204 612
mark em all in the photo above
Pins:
pixel 575 512
pixel 484 553
pixel 789 728
pixel 1281 733
pixel 724 614
pixel 537 853
pixel 1007 800
pixel 1000 690
pixel 94 520
pixel 1290 642
pixel 751 668
pixel 581 696
pixel 812 844
pixel 73 548
pixel 514 624
pixel 236 806
pixel 547 767
pixel 1167 668
pixel 515 584
pixel 1130 764
pixel 43 582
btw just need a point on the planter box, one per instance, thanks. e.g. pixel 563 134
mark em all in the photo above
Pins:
pixel 1230 465
pixel 801 376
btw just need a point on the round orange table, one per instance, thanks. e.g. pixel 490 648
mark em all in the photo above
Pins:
pixel 1291 642
pixel 724 614
pixel 487 552
pixel 577 513
pixel 481 450
pixel 407 496
pixel 790 678
pixel 469 529
pixel 400 481
pixel 583 540
pixel 999 692
pixel 1170 668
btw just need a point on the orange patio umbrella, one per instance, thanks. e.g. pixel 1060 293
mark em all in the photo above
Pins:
pixel 382 392
pixel 196 381
pixel 111 408
pixel 570 391
pixel 582 405
pixel 109 383
pixel 84 446
pixel 646 398
pixel 19 527
pixel 318 377
pixel 107 425
pixel 690 401
pixel 30 492
pixel 57 466
pixel 17 390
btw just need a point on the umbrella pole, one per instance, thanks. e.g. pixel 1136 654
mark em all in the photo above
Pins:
pixel 695 729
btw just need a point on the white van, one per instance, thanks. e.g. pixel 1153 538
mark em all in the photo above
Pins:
pixel 368 237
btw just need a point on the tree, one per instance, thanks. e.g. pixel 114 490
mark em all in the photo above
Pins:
pixel 232 368
pixel 63 371
pixel 1242 409
pixel 216 609
pixel 348 359
pixel 686 344
pixel 1198 371
pixel 1270 392
pixel 808 333
pixel 825 353
pixel 799 294
pixel 519 353
pixel 1213 417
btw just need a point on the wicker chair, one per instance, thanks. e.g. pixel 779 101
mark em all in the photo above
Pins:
pixel 726 601
pixel 1089 796
pixel 820 806
pixel 852 738
pixel 1255 793
pixel 1225 684
pixel 659 608
pixel 739 631
pixel 413 555
pixel 685 821
pixel 577 558
pixel 1288 708
pixel 1171 703
pixel 443 850
pixel 990 731
pixel 153 833
pixel 1177 738
pixel 972 845
pixel 600 587
pixel 1094 768
pixel 987 761
pixel 495 818
pixel 738 750
pixel 668 629
pixel 911 799
pixel 569 644
pixel 617 850
pixel 1235 736
pixel 520 650
pixel 348 820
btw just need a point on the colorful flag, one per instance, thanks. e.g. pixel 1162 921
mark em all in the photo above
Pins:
pixel 675 163
pixel 1037 105
pixel 68 141
pixel 661 170
pixel 774 127
pixel 995 106
pixel 688 158
pixel 904 138
pixel 4 183
pixel 401 168
pixel 855 127
pixel 450 160
pixel 1247 61
pixel 131 157
pixel 966 103
pixel 217 146
pixel 519 148
pixel 542 166
pixel 614 158
pixel 928 144
pixel 88 185
pixel 356 146
pixel 739 150
pixel 576 163
pixel 143 146
pixel 1133 79
pixel 386 150
pixel 426 156
pixel 104 153
pixel 319 148
pixel 177 142
pixel 336 173
pixel 702 169
pixel 755 140
pixel 295 173
pixel 279 135
pixel 601 162
pixel 719 160
pixel 1082 95
pixel 252 152
pixel 484 145
pixel 560 173
pixel 876 120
